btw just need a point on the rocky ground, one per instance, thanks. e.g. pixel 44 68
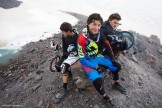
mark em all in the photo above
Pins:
pixel 26 80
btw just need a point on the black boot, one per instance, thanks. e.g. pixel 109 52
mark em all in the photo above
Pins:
pixel 61 95
pixel 119 87
pixel 108 102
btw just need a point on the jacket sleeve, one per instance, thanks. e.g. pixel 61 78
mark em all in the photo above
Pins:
pixel 107 31
pixel 104 31
pixel 64 50
pixel 107 45
pixel 76 43
pixel 82 55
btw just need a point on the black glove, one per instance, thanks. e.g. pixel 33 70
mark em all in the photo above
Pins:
pixel 120 46
pixel 100 69
pixel 71 48
pixel 113 60
pixel 124 46
pixel 73 54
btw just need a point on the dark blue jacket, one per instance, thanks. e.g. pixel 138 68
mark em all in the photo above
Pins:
pixel 107 30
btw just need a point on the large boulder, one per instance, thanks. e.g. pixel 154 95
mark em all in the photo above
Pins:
pixel 160 50
pixel 155 39
pixel 80 78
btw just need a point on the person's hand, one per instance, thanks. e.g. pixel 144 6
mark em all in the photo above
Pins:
pixel 71 48
pixel 52 44
pixel 124 46
pixel 121 46
pixel 115 61
pixel 72 54
pixel 100 69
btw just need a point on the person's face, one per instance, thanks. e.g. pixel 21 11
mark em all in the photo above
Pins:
pixel 114 23
pixel 65 34
pixel 94 27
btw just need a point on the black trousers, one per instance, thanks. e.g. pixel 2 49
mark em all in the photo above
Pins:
pixel 116 73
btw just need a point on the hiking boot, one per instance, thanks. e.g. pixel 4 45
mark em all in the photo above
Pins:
pixel 108 103
pixel 61 95
pixel 119 87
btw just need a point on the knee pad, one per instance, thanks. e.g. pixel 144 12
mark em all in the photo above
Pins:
pixel 65 68
pixel 98 85
pixel 58 68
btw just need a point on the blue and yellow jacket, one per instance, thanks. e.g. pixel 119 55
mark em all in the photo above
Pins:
pixel 90 47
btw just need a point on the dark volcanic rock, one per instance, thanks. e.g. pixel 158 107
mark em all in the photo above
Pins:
pixel 160 50
pixel 27 80
pixel 155 39
pixel 7 4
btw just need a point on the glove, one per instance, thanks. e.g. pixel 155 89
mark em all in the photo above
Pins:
pixel 71 48
pixel 121 46
pixel 124 46
pixel 100 69
pixel 118 46
pixel 72 54
pixel 114 61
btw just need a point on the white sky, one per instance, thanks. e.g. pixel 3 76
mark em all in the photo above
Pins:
pixel 34 17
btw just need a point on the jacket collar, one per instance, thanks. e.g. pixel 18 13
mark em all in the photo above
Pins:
pixel 106 24
pixel 89 35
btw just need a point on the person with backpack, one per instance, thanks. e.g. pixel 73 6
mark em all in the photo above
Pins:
pixel 69 57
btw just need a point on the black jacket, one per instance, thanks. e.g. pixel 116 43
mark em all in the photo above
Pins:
pixel 107 30
pixel 66 41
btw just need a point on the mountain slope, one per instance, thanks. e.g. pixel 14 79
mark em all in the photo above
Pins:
pixel 26 80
